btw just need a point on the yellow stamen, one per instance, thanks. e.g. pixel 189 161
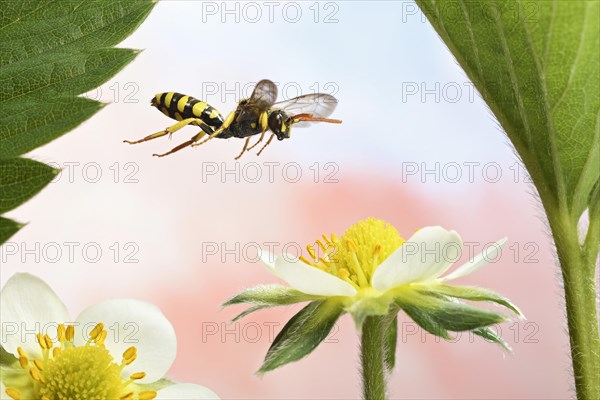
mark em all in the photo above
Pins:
pixel 321 245
pixel 48 341
pixel 343 273
pixel 311 251
pixel 39 364
pixel 69 371
pixel 138 375
pixel 97 331
pixel 41 341
pixel 101 338
pixel 13 393
pixel 377 249
pixel 35 374
pixel 61 333
pixel 147 395
pixel 70 333
pixel 129 355
pixel 356 255
pixel 304 260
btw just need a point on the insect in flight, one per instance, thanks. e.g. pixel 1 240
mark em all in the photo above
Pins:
pixel 253 116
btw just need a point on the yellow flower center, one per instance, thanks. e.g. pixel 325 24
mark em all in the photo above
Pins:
pixel 355 256
pixel 69 372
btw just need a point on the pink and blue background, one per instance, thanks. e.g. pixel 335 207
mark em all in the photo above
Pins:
pixel 167 211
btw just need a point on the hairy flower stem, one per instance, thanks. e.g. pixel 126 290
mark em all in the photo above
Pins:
pixel 372 357
pixel 578 264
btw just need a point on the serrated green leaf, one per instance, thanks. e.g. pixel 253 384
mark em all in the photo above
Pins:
pixel 21 179
pixel 51 51
pixel 60 74
pixel 471 293
pixel 303 333
pixel 8 227
pixel 536 64
pixel 22 131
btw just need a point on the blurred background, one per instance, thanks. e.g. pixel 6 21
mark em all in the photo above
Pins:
pixel 417 147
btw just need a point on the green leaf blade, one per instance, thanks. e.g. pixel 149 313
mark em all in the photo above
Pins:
pixel 21 179
pixel 22 131
pixel 51 51
pixel 8 228
pixel 536 65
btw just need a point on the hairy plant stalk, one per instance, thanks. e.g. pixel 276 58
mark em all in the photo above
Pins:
pixel 578 265
pixel 372 357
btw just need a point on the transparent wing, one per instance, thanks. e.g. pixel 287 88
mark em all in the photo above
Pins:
pixel 262 98
pixel 320 105
pixel 264 92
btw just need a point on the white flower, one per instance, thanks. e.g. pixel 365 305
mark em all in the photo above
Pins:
pixel 116 349
pixel 371 272
pixel 374 256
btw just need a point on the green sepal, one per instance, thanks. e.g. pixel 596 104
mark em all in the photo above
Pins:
pixel 366 307
pixel 424 319
pixel 7 358
pixel 265 296
pixel 437 314
pixel 390 338
pixel 303 333
pixel 489 335
pixel 471 293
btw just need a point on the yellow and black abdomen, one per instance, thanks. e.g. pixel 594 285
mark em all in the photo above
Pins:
pixel 179 106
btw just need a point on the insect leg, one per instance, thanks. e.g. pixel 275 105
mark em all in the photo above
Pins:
pixel 264 123
pixel 168 130
pixel 183 145
pixel 244 149
pixel 266 144
pixel 216 133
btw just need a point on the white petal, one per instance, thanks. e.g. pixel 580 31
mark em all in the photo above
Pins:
pixel 477 262
pixel 133 323
pixel 3 395
pixel 268 259
pixel 186 391
pixel 425 256
pixel 311 280
pixel 27 306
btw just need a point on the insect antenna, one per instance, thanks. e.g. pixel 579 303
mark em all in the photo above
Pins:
pixel 310 118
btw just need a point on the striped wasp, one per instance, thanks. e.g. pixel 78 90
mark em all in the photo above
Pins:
pixel 253 116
